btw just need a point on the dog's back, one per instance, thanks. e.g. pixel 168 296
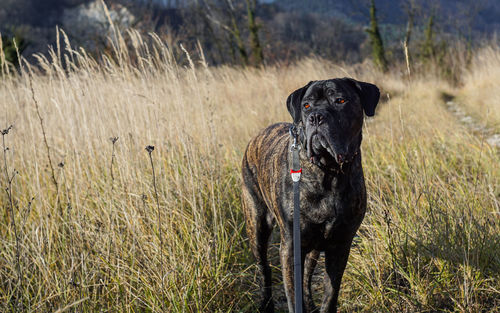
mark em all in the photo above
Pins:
pixel 264 160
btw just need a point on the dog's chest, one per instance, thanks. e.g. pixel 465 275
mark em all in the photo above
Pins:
pixel 331 204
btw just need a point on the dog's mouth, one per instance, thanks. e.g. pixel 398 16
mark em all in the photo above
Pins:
pixel 322 149
pixel 318 146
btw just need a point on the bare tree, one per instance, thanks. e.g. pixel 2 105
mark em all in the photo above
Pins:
pixel 253 27
pixel 378 51
pixel 224 14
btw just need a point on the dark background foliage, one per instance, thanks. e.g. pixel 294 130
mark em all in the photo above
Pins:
pixel 286 29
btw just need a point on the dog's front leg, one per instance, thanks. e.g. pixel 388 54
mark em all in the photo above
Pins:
pixel 310 262
pixel 335 263
pixel 286 254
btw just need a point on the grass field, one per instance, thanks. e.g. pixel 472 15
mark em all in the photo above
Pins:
pixel 104 225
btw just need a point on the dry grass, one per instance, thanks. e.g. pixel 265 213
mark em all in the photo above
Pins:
pixel 91 241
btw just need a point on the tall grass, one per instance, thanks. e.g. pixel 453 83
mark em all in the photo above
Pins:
pixel 480 94
pixel 91 242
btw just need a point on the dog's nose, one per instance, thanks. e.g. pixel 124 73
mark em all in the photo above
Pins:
pixel 315 119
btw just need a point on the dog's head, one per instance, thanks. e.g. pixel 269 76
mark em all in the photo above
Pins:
pixel 332 115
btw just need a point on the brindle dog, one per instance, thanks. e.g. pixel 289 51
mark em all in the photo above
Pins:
pixel 329 115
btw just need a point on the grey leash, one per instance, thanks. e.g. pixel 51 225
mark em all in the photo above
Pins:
pixel 295 172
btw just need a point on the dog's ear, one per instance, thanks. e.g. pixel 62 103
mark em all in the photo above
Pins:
pixel 369 95
pixel 293 102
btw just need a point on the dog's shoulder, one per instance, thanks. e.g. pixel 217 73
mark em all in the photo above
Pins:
pixel 269 141
pixel 266 153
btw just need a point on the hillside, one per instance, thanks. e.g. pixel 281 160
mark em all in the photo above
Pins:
pixel 481 17
pixel 288 30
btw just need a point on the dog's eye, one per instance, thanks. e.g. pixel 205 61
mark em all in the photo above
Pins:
pixel 307 105
pixel 340 100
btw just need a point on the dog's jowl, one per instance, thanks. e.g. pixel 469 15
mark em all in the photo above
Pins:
pixel 329 117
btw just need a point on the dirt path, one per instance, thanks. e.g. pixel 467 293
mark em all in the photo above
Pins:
pixel 491 137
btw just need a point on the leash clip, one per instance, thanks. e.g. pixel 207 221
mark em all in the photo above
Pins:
pixel 295 169
pixel 294 134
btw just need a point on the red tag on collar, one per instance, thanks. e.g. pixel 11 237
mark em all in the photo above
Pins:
pixel 295 175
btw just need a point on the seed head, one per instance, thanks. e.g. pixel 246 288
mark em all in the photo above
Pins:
pixel 150 149
pixel 6 131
